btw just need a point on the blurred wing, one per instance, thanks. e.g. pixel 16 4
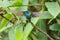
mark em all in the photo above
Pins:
pixel 36 14
pixel 17 12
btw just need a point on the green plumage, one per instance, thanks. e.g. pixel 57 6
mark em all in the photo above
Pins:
pixel 27 14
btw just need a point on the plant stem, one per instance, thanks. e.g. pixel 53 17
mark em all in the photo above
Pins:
pixel 27 5
pixel 7 19
pixel 41 31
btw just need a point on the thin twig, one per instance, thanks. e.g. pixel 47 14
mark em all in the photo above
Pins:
pixel 42 31
pixel 32 5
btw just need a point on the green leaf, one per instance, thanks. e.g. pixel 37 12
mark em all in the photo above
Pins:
pixel 0 0
pixel 58 21
pixel 4 22
pixel 17 3
pixel 19 34
pixel 55 27
pixel 33 1
pixel 16 33
pixel 59 1
pixel 23 19
pixel 34 37
pixel 53 8
pixel 29 27
pixel 24 8
pixel 41 36
pixel 42 26
pixel 6 27
pixel 11 34
pixel 45 15
pixel 6 3
pixel 27 30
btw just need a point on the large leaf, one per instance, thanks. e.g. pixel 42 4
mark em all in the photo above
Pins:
pixel 29 27
pixel 53 8
pixel 42 26
pixel 16 33
pixel 19 34
pixel 55 27
pixel 6 3
pixel 4 22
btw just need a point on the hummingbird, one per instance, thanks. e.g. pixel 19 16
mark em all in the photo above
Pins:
pixel 27 14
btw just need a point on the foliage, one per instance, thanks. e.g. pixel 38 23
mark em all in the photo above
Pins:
pixel 13 26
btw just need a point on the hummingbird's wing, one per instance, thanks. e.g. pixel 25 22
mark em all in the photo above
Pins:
pixel 36 14
pixel 17 12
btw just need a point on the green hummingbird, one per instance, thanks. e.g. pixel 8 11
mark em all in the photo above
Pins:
pixel 27 14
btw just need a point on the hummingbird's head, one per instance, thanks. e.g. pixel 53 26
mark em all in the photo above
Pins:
pixel 26 12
